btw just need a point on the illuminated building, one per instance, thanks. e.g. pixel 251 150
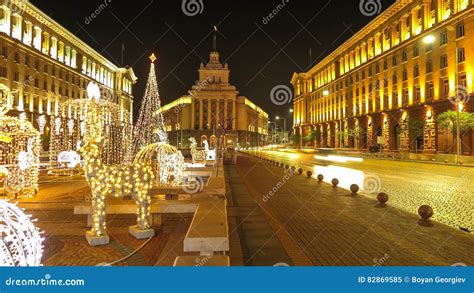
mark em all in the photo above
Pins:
pixel 42 64
pixel 389 82
pixel 213 104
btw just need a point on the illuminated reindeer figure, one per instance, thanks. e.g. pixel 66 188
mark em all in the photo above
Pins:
pixel 134 179
pixel 198 156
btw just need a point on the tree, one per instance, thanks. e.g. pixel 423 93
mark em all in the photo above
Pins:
pixel 449 118
pixel 150 127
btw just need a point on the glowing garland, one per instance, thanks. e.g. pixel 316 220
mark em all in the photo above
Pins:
pixel 198 156
pixel 167 163
pixel 150 128
pixel 20 240
pixel 135 179
pixel 19 153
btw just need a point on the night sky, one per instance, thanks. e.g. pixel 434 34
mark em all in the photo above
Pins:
pixel 261 54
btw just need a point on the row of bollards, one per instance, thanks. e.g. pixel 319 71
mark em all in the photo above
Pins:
pixel 425 211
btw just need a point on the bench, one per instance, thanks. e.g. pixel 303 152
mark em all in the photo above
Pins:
pixel 156 210
pixel 209 231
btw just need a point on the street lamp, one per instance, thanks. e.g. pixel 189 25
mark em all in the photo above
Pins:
pixel 325 93
pixel 284 125
pixel 430 39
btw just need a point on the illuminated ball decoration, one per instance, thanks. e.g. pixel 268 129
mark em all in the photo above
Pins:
pixel 20 241
pixel 167 163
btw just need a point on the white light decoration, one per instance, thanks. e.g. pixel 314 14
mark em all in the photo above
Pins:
pixel 70 126
pixel 167 163
pixel 70 158
pixel 127 179
pixel 211 154
pixel 198 156
pixel 20 241
pixel 93 91
pixel 150 128
pixel 41 123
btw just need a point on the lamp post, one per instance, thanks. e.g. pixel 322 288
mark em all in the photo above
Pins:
pixel 274 129
pixel 284 126
pixel 429 39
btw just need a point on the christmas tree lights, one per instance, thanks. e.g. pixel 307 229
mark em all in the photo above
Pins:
pixel 150 128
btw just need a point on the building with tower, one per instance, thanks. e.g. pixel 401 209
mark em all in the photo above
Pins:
pixel 213 106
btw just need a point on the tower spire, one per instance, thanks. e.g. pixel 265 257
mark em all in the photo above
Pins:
pixel 214 44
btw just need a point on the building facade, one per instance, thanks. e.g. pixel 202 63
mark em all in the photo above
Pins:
pixel 42 65
pixel 386 85
pixel 212 107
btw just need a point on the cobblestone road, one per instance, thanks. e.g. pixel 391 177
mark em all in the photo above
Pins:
pixel 449 190
pixel 333 227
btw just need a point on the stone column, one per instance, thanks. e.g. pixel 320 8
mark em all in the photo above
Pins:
pixel 429 132
pixel 386 132
pixel 405 132
pixel 370 132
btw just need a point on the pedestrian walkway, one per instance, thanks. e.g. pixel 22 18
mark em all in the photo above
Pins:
pixel 260 245
pixel 333 227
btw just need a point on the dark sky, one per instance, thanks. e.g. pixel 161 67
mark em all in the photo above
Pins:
pixel 260 56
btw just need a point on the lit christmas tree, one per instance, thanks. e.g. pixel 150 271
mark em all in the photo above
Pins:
pixel 150 126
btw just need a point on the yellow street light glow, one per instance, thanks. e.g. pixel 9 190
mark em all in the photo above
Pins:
pixel 338 159
pixel 277 117
pixel 429 39
pixel 326 93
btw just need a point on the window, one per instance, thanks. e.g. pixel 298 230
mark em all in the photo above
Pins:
pixel 444 38
pixel 444 61
pixel 429 47
pixel 17 57
pixel 394 79
pixel 370 71
pixel 45 85
pixel 394 61
pixel 416 71
pixel 16 76
pixel 430 93
pixel 405 75
pixel 429 66
pixel 5 52
pixel 417 95
pixel 385 65
pixel 405 97
pixel 27 60
pixel 446 87
pixel 461 55
pixel 463 81
pixel 404 56
pixel 416 51
pixel 37 65
pixel 3 72
pixel 460 31
pixel 377 68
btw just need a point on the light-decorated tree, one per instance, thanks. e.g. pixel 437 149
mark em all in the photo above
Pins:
pixel 150 127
